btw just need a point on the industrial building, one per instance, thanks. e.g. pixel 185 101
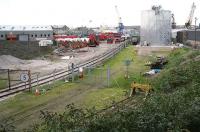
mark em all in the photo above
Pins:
pixel 156 26
pixel 132 30
pixel 183 36
pixel 84 31
pixel 26 33
pixel 60 29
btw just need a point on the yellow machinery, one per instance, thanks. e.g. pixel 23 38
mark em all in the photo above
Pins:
pixel 142 87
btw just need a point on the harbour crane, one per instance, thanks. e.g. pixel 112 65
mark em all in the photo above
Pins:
pixel 120 24
pixel 173 22
pixel 191 15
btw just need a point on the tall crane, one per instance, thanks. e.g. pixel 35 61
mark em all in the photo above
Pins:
pixel 189 21
pixel 120 24
pixel 173 22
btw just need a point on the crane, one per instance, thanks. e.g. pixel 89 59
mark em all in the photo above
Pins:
pixel 189 21
pixel 120 24
pixel 173 22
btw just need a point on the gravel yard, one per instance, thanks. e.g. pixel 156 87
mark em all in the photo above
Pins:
pixel 46 66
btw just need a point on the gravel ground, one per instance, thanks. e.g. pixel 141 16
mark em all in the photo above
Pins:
pixel 148 50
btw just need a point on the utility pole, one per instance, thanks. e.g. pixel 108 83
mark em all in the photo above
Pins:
pixel 195 31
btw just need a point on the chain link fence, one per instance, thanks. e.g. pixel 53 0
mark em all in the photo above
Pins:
pixel 98 77
pixel 92 74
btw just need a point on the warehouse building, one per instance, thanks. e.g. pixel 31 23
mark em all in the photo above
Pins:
pixel 84 31
pixel 60 29
pixel 26 33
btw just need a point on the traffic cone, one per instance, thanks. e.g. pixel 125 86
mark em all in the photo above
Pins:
pixel 81 73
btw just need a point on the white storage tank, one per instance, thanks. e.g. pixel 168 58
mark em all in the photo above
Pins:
pixel 156 26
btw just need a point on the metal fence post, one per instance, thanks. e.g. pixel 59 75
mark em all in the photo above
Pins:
pixel 9 84
pixel 37 80
pixel 29 80
pixel 78 73
pixel 72 72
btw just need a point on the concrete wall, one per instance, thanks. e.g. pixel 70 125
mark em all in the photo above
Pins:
pixel 183 36
pixel 191 35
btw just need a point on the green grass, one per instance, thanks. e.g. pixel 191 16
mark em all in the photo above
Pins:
pixel 3 84
pixel 134 69
pixel 173 106
pixel 180 55
pixel 26 106
pixel 119 86
pixel 28 101
pixel 179 66
pixel 103 97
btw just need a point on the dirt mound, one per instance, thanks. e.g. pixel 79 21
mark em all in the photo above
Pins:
pixel 6 60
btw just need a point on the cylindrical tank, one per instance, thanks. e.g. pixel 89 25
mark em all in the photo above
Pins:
pixel 156 26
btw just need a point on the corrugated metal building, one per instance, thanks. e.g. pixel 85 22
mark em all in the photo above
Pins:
pixel 26 33
pixel 156 26
pixel 183 36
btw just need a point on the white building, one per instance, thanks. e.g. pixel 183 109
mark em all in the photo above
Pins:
pixel 156 26
pixel 26 33
pixel 60 29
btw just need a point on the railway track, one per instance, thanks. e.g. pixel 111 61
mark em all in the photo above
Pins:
pixel 61 74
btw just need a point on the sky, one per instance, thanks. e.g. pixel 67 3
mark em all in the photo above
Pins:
pixel 90 13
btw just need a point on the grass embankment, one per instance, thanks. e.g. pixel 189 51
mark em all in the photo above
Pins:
pixel 25 108
pixel 174 106
pixel 119 86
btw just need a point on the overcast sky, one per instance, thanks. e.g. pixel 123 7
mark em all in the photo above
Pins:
pixel 87 12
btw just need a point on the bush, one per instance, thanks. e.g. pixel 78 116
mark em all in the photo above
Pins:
pixel 5 126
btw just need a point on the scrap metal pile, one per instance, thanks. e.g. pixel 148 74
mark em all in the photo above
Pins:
pixel 156 66
pixel 75 42
pixel 110 37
